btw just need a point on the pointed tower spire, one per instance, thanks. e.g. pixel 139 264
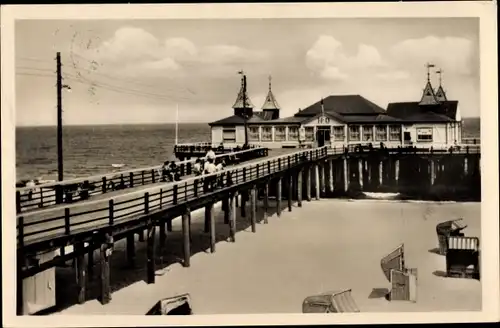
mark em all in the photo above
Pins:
pixel 243 102
pixel 270 103
pixel 440 94
pixel 428 96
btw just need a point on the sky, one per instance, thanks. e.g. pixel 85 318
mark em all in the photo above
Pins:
pixel 139 71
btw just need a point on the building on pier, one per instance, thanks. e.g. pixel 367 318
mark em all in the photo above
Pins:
pixel 343 120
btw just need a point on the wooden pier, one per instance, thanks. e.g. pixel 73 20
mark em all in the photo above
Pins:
pixel 303 175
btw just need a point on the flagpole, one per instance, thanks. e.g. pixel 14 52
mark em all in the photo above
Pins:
pixel 177 124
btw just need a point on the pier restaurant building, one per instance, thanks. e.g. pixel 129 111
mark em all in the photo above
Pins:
pixel 340 120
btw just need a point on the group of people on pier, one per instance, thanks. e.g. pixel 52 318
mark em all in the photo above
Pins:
pixel 207 166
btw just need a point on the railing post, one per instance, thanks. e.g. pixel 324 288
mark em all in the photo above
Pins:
pixel 257 170
pixel 161 198
pixel 111 208
pixel 175 195
pixel 153 175
pixel 66 221
pixel 279 164
pixel 103 185
pixel 268 167
pixel 142 177
pixel 146 203
pixel 20 228
pixel 122 182
pixel 289 162
pixel 41 197
pixel 244 174
pixel 195 188
pixel 18 202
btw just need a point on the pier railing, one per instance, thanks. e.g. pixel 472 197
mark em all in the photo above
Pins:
pixel 471 141
pixel 70 219
pixel 198 147
pixel 462 149
pixel 44 195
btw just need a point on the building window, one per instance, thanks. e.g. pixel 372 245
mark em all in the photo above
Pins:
pixel 309 133
pixel 354 133
pixel 229 135
pixel 279 133
pixel 367 132
pixel 338 133
pixel 395 133
pixel 253 133
pixel 424 135
pixel 381 133
pixel 267 133
pixel 293 133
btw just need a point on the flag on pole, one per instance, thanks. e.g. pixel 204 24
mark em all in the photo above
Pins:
pixel 322 106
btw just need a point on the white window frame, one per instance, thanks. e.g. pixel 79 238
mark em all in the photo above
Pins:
pixel 368 130
pixel 354 132
pixel 252 136
pixel 227 130
pixel 338 136
pixel 395 136
pixel 293 133
pixel 419 135
pixel 269 135
pixel 309 133
pixel 379 136
pixel 280 136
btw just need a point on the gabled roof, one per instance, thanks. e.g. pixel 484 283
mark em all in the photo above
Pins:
pixel 414 112
pixel 379 118
pixel 331 115
pixel 440 94
pixel 344 105
pixel 237 120
pixel 264 115
pixel 270 102
pixel 428 96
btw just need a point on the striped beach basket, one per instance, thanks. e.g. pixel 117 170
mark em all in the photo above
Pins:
pixel 393 261
pixel 446 229
pixel 462 257
pixel 339 301
pixel 404 285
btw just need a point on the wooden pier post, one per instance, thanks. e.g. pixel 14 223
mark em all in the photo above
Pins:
pixel 299 188
pixel 330 176
pixel 253 207
pixel 360 173
pixel 225 208
pixel 278 196
pixel 266 201
pixel 105 256
pixel 290 191
pixel 244 203
pixel 322 176
pixel 396 171
pixel 150 251
pixel 346 175
pixel 232 217
pixel 316 181
pixel 211 218
pixel 433 172
pixel 81 278
pixel 380 172
pixel 207 218
pixel 131 250
pixel 308 183
pixel 141 235
pixel 466 165
pixel 163 238
pixel 186 237
pixel 169 224
pixel 90 260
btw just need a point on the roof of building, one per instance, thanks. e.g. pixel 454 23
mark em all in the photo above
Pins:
pixel 270 102
pixel 414 112
pixel 344 105
pixel 440 94
pixel 243 95
pixel 428 96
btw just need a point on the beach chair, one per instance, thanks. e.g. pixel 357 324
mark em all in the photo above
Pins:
pixel 339 301
pixel 446 229
pixel 177 305
pixel 462 257
pixel 403 280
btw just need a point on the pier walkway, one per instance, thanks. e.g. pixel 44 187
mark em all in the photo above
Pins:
pixel 98 223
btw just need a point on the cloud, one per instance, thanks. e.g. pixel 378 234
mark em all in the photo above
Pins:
pixel 328 58
pixel 453 54
pixel 136 51
pixel 394 75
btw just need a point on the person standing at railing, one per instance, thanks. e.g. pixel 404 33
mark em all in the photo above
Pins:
pixel 208 182
pixel 219 168
pixel 210 154
pixel 197 170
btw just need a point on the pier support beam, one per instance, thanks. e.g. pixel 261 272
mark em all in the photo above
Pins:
pixel 105 256
pixel 433 172
pixel 278 196
pixel 186 233
pixel 90 260
pixel 360 173
pixel 266 201
pixel 150 251
pixel 299 188
pixel 163 238
pixel 466 166
pixel 81 270
pixel 330 176
pixel 396 171
pixel 316 181
pixel 225 208
pixel 381 173
pixel 244 196
pixel 346 175
pixel 131 250
pixel 322 176
pixel 207 219
pixel 232 217
pixel 253 207
pixel 308 183
pixel 141 235
pixel 290 192
pixel 211 219
pixel 169 225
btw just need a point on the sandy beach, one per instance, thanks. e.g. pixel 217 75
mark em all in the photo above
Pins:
pixel 325 245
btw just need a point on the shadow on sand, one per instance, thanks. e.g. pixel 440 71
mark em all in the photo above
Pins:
pixel 122 275
pixel 439 273
pixel 435 250
pixel 379 293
